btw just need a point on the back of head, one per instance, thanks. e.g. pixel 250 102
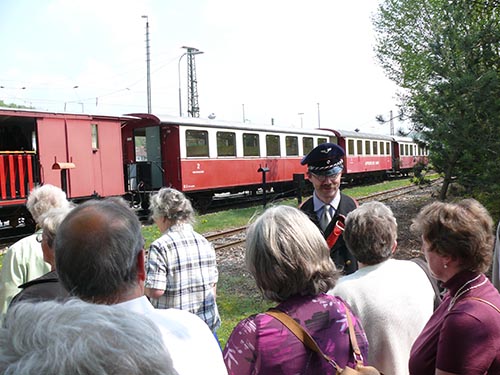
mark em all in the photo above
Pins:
pixel 287 255
pixel 43 198
pixel 50 221
pixel 370 232
pixel 80 338
pixel 462 230
pixel 96 248
pixel 173 205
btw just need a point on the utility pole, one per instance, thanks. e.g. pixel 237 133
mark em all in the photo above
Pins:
pixel 148 61
pixel 392 123
pixel 319 123
pixel 193 106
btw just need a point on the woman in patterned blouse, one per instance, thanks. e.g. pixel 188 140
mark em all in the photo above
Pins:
pixel 291 264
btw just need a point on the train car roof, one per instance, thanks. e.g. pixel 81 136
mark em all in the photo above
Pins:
pixel 354 134
pixel 399 138
pixel 32 112
pixel 209 123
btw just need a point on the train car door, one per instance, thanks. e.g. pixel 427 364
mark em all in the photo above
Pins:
pixel 72 139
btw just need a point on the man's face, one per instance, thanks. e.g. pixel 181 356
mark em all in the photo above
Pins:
pixel 326 187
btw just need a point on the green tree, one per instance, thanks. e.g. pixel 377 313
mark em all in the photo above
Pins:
pixel 12 105
pixel 445 56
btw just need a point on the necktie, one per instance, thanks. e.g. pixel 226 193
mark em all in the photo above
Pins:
pixel 326 217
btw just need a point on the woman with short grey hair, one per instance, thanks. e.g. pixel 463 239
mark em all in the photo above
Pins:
pixel 290 262
pixel 372 233
pixel 181 269
pixel 172 205
pixel 393 298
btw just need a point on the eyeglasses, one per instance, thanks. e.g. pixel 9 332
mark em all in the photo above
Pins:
pixel 39 237
pixel 323 178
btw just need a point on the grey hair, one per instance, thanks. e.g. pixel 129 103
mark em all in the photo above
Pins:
pixel 287 255
pixel 76 337
pixel 96 249
pixel 370 232
pixel 50 221
pixel 173 205
pixel 43 198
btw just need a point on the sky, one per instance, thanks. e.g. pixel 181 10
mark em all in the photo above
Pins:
pixel 296 63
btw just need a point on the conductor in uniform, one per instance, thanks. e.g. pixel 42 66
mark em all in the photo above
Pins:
pixel 328 206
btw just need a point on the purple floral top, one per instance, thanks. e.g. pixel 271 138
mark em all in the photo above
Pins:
pixel 260 344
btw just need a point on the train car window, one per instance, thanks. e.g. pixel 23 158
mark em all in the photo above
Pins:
pixel 350 147
pixel 360 147
pixel 307 145
pixel 95 138
pixel 226 144
pixel 407 150
pixel 401 150
pixel 375 148
pixel 273 145
pixel 322 140
pixel 387 148
pixel 367 148
pixel 251 144
pixel 196 143
pixel 381 146
pixel 292 146
pixel 141 153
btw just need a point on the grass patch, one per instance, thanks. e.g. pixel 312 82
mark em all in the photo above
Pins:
pixel 236 303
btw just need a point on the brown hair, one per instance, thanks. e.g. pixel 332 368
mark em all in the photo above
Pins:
pixel 462 230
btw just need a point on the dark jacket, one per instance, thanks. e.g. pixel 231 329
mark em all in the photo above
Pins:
pixel 339 253
pixel 46 287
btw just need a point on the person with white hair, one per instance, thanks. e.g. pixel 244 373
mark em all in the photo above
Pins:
pixel 23 261
pixel 80 338
pixel 47 286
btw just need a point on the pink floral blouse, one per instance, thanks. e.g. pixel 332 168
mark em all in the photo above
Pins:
pixel 261 344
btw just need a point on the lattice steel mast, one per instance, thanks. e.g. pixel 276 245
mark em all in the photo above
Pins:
pixel 192 82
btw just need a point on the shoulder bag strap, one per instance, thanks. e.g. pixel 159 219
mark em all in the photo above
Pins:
pixel 483 301
pixel 301 334
pixel 358 357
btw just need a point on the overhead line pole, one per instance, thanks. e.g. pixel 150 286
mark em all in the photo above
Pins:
pixel 148 62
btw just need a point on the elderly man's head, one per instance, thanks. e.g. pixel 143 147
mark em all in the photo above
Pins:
pixel 99 255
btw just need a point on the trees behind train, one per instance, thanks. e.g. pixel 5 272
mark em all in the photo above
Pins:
pixel 445 56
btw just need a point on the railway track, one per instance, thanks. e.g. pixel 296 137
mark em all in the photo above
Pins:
pixel 235 237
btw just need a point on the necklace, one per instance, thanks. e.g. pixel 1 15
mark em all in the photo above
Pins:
pixel 461 292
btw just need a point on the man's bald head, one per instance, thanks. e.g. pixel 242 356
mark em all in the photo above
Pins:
pixel 96 250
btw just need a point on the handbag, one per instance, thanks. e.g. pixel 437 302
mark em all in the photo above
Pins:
pixel 310 343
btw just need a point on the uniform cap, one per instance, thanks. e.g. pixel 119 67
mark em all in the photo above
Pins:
pixel 325 159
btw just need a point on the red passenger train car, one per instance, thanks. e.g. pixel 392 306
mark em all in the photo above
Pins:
pixel 205 157
pixel 134 155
